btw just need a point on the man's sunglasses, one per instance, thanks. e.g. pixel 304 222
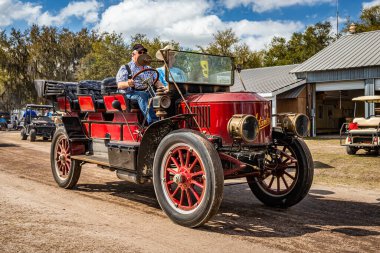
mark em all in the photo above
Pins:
pixel 141 52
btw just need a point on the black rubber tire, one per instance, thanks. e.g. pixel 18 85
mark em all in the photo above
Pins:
pixel 303 181
pixel 33 135
pixel 351 150
pixel 75 168
pixel 23 134
pixel 214 174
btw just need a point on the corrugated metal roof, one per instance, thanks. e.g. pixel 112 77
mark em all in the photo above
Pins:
pixel 268 79
pixel 349 51
pixel 293 93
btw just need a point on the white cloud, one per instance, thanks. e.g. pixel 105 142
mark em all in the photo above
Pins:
pixel 332 20
pixel 188 22
pixel 11 11
pixel 267 5
pixel 367 5
pixel 86 10
pixel 258 34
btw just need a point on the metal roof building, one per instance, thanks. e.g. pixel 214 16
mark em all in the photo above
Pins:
pixel 349 67
pixel 268 81
pixel 360 53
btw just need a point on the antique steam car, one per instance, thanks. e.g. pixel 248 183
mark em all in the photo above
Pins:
pixel 206 135
pixel 362 133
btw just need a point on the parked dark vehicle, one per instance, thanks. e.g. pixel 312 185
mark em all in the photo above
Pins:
pixel 37 124
pixel 206 135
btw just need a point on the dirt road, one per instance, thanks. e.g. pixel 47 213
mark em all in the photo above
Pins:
pixel 105 214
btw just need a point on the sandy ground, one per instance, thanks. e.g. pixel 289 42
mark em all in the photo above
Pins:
pixel 104 214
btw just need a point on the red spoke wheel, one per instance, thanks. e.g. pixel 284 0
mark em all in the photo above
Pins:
pixel 188 178
pixel 66 171
pixel 184 178
pixel 287 174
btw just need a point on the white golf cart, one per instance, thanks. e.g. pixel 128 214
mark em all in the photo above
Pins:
pixel 362 133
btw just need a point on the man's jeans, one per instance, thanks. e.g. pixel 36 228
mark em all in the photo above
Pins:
pixel 142 98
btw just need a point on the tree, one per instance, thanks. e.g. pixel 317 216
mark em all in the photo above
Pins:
pixel 369 20
pixel 17 87
pixel 247 58
pixel 223 43
pixel 55 54
pixel 300 47
pixel 227 43
pixel 108 53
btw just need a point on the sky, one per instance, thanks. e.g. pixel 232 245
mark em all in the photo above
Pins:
pixel 189 22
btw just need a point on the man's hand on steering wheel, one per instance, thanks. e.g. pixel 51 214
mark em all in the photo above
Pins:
pixel 146 81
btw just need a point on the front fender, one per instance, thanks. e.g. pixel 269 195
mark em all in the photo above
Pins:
pixel 152 138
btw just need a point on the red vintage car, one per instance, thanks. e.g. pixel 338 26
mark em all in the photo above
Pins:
pixel 205 136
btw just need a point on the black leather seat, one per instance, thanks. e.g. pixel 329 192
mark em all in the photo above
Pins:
pixel 99 104
pixel 108 86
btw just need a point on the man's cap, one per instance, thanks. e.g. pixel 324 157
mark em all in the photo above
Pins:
pixel 159 54
pixel 139 47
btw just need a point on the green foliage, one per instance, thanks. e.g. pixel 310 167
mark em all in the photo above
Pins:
pixel 223 43
pixel 108 53
pixel 227 43
pixel 369 20
pixel 55 54
pixel 16 84
pixel 300 47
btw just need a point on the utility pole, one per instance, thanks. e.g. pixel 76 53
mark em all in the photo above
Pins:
pixel 337 18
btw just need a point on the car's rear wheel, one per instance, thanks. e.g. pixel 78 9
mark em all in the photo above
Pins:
pixel 188 178
pixel 351 150
pixel 23 134
pixel 66 172
pixel 288 173
pixel 32 135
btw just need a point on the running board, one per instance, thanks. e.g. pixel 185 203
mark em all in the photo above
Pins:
pixel 100 160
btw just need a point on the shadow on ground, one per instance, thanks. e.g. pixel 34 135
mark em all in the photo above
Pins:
pixel 245 216
pixel 321 165
pixel 7 145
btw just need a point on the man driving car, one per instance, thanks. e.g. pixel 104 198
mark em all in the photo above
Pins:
pixel 136 89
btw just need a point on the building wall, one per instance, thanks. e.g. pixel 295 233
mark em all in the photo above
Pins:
pixel 295 105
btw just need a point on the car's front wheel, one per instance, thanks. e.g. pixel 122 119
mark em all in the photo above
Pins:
pixel 188 178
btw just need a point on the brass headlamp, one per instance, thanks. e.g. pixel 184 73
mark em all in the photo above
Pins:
pixel 294 123
pixel 243 127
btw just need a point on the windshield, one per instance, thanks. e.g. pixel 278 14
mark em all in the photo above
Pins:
pixel 196 68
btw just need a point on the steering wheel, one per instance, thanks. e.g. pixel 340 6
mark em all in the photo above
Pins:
pixel 146 81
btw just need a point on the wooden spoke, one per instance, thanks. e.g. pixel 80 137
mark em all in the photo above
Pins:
pixel 271 182
pixel 283 179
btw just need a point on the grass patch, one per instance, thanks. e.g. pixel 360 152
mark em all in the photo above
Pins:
pixel 333 166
